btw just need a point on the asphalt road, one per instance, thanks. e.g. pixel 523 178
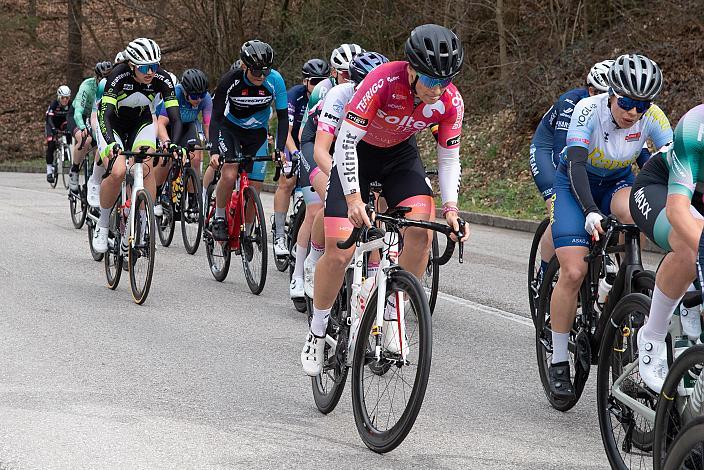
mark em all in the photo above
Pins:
pixel 207 375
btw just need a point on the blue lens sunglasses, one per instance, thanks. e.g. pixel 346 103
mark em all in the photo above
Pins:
pixel 627 103
pixel 431 82
pixel 145 69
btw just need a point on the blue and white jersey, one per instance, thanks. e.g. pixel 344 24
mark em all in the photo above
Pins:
pixel 552 130
pixel 246 105
pixel 613 150
pixel 190 113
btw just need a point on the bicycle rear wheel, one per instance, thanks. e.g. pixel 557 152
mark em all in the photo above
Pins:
pixel 627 436
pixel 386 405
pixel 65 166
pixel 142 249
pixel 78 203
pixel 253 242
pixel 534 277
pixel 543 340
pixel 191 211
pixel 685 386
pixel 218 253
pixel 166 223
pixel 113 258
pixel 329 385
pixel 431 276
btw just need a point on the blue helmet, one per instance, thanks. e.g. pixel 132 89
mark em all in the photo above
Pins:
pixel 364 63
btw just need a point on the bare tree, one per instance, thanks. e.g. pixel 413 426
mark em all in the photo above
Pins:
pixel 74 61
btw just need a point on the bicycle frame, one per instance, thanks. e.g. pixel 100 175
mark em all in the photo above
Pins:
pixel 388 263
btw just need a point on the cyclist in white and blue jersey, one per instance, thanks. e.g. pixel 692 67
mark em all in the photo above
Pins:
pixel 606 136
pixel 549 140
pixel 241 110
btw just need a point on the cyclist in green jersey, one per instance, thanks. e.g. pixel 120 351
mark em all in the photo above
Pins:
pixel 80 119
pixel 664 206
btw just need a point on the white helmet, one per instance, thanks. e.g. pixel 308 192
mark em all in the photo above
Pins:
pixel 119 58
pixel 597 76
pixel 343 55
pixel 63 91
pixel 143 51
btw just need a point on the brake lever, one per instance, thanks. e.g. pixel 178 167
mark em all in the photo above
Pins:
pixel 460 235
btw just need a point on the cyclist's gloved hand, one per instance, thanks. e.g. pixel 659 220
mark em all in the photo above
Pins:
pixel 175 150
pixel 592 224
pixel 115 149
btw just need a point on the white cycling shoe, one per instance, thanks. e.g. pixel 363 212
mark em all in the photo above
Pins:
pixel 158 210
pixel 93 194
pixel 295 289
pixel 280 246
pixel 308 276
pixel 690 318
pixel 652 362
pixel 312 355
pixel 100 239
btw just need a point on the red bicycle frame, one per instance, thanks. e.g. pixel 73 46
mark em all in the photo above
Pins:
pixel 235 210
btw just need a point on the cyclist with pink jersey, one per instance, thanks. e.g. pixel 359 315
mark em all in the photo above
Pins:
pixel 376 142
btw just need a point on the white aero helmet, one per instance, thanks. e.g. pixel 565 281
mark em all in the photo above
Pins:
pixel 598 75
pixel 143 51
pixel 635 76
pixel 343 55
pixel 63 91
pixel 119 58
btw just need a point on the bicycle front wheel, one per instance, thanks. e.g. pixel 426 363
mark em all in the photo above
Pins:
pixel 57 162
pixel 253 242
pixel 218 253
pixel 534 275
pixel 626 434
pixel 65 166
pixel 688 449
pixel 386 404
pixel 685 387
pixel 431 276
pixel 142 249
pixel 166 223
pixel 191 211
pixel 113 257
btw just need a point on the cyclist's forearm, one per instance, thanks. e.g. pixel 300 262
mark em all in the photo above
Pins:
pixel 346 157
pixel 282 129
pixel 449 174
pixel 579 180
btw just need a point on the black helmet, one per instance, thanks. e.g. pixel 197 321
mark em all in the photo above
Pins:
pixel 256 54
pixel 435 51
pixel 194 82
pixel 364 63
pixel 103 69
pixel 315 68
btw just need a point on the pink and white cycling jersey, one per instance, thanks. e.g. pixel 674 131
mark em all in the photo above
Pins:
pixel 384 107
pixel 333 107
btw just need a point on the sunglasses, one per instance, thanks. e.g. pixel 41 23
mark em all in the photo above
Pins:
pixel 627 104
pixel 197 96
pixel 431 82
pixel 316 80
pixel 145 69
pixel 260 72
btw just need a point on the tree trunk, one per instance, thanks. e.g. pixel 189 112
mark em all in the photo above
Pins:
pixel 503 55
pixel 74 62
pixel 33 20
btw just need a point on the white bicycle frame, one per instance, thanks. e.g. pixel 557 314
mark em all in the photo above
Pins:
pixel 389 246
pixel 138 184
pixel 696 392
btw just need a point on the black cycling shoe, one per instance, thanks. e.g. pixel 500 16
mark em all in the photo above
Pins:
pixel 220 229
pixel 50 178
pixel 560 383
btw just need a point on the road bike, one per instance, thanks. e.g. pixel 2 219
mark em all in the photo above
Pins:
pixel 62 156
pixel 592 314
pixel 390 360
pixel 246 228
pixel 181 198
pixel 131 230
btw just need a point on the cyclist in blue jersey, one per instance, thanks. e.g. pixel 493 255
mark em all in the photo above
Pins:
pixel 549 140
pixel 241 110
pixel 314 71
pixel 605 137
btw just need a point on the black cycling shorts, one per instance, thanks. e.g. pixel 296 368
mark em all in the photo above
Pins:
pixel 189 131
pixel 397 168
pixel 233 141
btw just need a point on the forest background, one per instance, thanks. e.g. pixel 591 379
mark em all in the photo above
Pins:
pixel 519 57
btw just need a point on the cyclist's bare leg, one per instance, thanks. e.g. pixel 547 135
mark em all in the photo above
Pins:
pixel 223 191
pixel 547 249
pixel 563 303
